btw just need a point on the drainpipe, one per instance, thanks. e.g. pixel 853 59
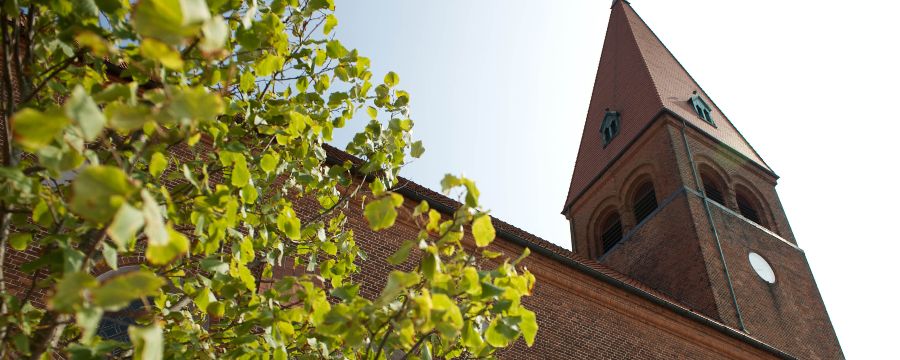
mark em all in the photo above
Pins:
pixel 712 224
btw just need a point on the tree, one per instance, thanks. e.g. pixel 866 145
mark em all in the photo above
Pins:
pixel 191 133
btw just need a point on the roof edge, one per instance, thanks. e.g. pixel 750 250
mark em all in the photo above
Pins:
pixel 437 202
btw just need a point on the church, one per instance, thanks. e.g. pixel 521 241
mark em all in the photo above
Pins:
pixel 680 246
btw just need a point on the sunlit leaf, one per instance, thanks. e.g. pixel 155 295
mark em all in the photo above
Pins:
pixel 162 53
pixel 483 230
pixel 381 213
pixel 391 79
pixel 158 164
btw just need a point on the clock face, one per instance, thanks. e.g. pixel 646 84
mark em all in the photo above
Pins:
pixel 762 268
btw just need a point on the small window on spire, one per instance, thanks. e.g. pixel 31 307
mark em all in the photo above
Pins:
pixel 610 127
pixel 703 110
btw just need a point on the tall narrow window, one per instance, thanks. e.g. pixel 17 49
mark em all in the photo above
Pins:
pixel 712 189
pixel 703 110
pixel 610 127
pixel 644 201
pixel 611 231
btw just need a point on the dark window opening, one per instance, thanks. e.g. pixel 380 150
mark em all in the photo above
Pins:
pixel 610 127
pixel 712 191
pixel 612 232
pixel 703 110
pixel 747 210
pixel 644 202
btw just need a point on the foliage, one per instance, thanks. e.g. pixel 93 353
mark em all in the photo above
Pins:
pixel 190 133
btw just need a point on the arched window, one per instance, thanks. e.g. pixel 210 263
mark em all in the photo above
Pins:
pixel 610 230
pixel 644 201
pixel 747 205
pixel 712 188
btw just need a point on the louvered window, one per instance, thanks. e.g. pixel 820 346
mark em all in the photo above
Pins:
pixel 712 191
pixel 612 232
pixel 644 202
pixel 747 210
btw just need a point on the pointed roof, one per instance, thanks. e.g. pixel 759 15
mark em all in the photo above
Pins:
pixel 641 79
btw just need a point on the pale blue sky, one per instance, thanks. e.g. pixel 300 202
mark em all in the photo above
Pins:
pixel 500 91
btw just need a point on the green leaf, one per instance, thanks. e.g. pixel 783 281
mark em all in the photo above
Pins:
pixel 401 254
pixel 33 129
pixel 498 334
pixel 335 50
pixel 127 118
pixel 330 22
pixel 417 149
pixel 269 65
pixel 127 221
pixel 249 194
pixel 397 281
pixel 471 338
pixel 70 291
pixel 162 53
pixel 528 325
pixel 160 254
pixel 431 265
pixel 155 227
pixel 19 241
pixel 246 250
pixel 117 92
pixel 269 162
pixel 119 291
pixel 483 230
pixel 247 81
pixel 321 5
pixel 377 187
pixel 82 108
pixel 158 164
pixel 87 320
pixel 163 20
pixel 240 174
pixel 111 256
pixel 451 319
pixel 98 191
pixel 391 79
pixel 195 104
pixel 214 265
pixel 148 342
pixel 381 213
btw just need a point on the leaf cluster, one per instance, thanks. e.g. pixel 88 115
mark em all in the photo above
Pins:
pixel 191 135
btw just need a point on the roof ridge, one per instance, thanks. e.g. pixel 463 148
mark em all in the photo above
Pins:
pixel 695 82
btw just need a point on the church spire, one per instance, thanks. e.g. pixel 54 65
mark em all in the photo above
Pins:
pixel 639 79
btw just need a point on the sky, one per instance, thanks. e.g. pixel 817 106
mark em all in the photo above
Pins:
pixel 500 91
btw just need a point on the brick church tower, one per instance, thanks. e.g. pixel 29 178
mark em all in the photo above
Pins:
pixel 667 191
